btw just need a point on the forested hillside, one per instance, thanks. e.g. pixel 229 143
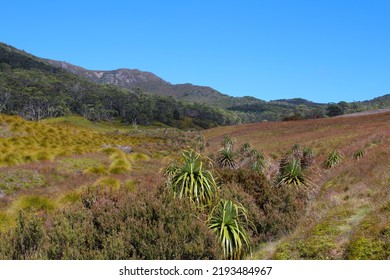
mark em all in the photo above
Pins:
pixel 36 88
pixel 33 89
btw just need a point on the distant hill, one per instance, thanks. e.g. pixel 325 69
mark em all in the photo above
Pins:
pixel 150 83
pixel 249 109
pixel 51 87
pixel 34 89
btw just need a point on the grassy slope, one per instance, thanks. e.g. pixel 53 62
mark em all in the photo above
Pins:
pixel 349 212
pixel 47 165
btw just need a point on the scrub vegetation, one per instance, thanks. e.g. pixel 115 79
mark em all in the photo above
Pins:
pixel 90 171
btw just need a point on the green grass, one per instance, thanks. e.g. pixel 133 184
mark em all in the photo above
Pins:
pixel 27 142
pixel 334 159
pixel 34 203
pixel 100 170
pixel 78 165
pixel 108 183
pixel 12 181
pixel 130 185
pixel 70 198
pixel 5 221
pixel 119 163
pixel 138 157
pixel 358 154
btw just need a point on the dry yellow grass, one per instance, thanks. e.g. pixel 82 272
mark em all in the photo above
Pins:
pixel 68 154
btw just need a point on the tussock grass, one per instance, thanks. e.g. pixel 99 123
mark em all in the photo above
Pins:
pixel 78 165
pixel 5 221
pixel 34 203
pixel 130 185
pixel 100 170
pixel 109 151
pixel 120 164
pixel 107 183
pixel 26 141
pixel 138 157
pixel 71 197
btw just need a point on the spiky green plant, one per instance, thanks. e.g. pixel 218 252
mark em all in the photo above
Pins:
pixel 257 160
pixel 226 158
pixel 228 142
pixel 191 180
pixel 358 154
pixel 245 149
pixel 296 148
pixel 307 157
pixel 292 174
pixel 170 171
pixel 226 220
pixel 199 143
pixel 334 159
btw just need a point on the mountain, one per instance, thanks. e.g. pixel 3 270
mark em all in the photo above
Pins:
pixel 249 108
pixel 38 88
pixel 34 89
pixel 150 83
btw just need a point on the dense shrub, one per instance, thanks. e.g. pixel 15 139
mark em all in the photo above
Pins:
pixel 25 240
pixel 274 211
pixel 114 225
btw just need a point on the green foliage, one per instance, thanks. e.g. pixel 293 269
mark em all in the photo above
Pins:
pixel 334 158
pixel 246 149
pixel 12 181
pixel 5 221
pixel 109 183
pixel 100 169
pixel 358 154
pixel 130 185
pixel 226 221
pixel 120 164
pixel 273 211
pixel 139 157
pixel 333 110
pixel 193 181
pixel 257 160
pixel 170 171
pixel 292 174
pixel 71 197
pixel 117 225
pixel 307 157
pixel 78 165
pixel 226 158
pixel 293 165
pixel 35 203
pixel 365 248
pixel 228 142
pixel 25 240
pixel 371 240
pixel 36 90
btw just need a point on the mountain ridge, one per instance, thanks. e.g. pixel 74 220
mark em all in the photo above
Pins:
pixel 240 109
pixel 151 83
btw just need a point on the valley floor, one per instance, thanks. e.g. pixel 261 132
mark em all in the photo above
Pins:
pixel 349 212
pixel 48 167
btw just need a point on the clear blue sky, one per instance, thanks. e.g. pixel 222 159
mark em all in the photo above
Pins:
pixel 325 51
